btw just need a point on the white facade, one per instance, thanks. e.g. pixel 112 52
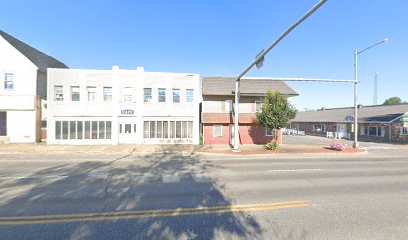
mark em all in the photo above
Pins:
pixel 19 106
pixel 122 107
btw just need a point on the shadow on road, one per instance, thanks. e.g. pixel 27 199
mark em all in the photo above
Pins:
pixel 160 181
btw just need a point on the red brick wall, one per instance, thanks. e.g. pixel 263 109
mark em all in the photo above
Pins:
pixel 249 134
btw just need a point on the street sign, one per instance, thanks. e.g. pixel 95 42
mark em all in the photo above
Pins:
pixel 349 118
pixel 259 63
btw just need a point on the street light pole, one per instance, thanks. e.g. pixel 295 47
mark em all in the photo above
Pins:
pixel 355 145
pixel 356 53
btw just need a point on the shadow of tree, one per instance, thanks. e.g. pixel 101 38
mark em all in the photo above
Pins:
pixel 167 180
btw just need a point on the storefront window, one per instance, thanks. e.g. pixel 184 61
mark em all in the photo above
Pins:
pixel 87 130
pixel 94 130
pixel 65 130
pixel 79 129
pixel 72 129
pixel 58 130
pixel 146 129
pixel 101 129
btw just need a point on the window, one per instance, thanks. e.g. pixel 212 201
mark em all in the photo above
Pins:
pixel 372 131
pixel 3 123
pixel 190 129
pixel 319 128
pixel 9 81
pixel 147 95
pixel 94 130
pixel 108 129
pixel 72 129
pixel 176 95
pixel 57 129
pixel 58 93
pixel 258 106
pixel 146 130
pixel 128 94
pixel 268 132
pixel 162 95
pixel 128 128
pixel 228 106
pixel 107 94
pixel 65 130
pixel 79 129
pixel 217 131
pixel 184 129
pixel 189 95
pixel 364 130
pixel 404 130
pixel 91 93
pixel 159 129
pixel 165 129
pixel 87 130
pixel 178 129
pixel 101 130
pixel 172 129
pixel 152 129
pixel 75 93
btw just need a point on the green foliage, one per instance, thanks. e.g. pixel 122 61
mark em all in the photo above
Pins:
pixel 272 146
pixel 201 139
pixel 276 111
pixel 392 100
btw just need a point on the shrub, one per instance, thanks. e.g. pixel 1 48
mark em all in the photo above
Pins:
pixel 272 146
pixel 338 146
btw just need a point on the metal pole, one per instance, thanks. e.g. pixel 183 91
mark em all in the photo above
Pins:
pixel 258 58
pixel 236 118
pixel 355 145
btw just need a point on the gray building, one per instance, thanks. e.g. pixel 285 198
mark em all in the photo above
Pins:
pixel 376 123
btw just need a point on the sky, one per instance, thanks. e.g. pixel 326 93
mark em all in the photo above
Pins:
pixel 222 37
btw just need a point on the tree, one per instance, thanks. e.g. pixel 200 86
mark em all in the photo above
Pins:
pixel 276 112
pixel 392 100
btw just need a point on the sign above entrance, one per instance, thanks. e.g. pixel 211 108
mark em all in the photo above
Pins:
pixel 127 112
pixel 349 118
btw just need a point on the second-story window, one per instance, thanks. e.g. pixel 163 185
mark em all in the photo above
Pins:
pixel 258 106
pixel 107 94
pixel 189 95
pixel 128 94
pixel 75 95
pixel 147 95
pixel 162 95
pixel 91 91
pixel 9 81
pixel 176 95
pixel 58 93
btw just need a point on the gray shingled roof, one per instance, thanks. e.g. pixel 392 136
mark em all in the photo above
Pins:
pixel 40 59
pixel 226 86
pixel 376 113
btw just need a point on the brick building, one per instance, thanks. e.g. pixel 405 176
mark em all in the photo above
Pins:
pixel 384 123
pixel 217 115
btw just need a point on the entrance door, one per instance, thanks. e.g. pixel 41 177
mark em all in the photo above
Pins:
pixel 127 132
pixel 341 130
pixel 3 123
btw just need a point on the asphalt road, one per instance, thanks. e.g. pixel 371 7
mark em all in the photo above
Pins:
pixel 209 197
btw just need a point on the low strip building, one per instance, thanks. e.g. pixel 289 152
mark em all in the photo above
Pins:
pixel 387 123
pixel 122 107
pixel 218 109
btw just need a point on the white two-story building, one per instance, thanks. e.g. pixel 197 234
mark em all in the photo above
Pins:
pixel 23 83
pixel 122 107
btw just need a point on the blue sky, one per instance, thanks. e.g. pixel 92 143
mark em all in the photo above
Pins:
pixel 221 38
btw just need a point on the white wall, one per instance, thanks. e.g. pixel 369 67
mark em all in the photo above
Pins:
pixel 21 126
pixel 19 103
pixel 118 79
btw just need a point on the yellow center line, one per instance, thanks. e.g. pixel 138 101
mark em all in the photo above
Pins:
pixel 149 211
pixel 174 214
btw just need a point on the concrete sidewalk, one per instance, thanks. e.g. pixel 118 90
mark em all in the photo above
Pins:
pixel 41 148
